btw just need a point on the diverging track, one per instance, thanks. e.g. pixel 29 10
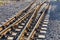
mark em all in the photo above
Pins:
pixel 17 16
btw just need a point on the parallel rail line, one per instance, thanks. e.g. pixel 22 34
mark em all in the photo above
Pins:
pixel 34 31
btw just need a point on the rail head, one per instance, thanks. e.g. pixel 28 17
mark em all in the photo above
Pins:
pixel 37 24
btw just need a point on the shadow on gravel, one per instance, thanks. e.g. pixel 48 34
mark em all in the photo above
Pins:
pixel 55 11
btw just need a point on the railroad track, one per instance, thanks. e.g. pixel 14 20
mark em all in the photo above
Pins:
pixel 16 29
pixel 17 16
pixel 31 26
pixel 24 27
pixel 38 31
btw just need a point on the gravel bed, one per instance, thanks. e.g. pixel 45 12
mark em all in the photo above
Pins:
pixel 53 32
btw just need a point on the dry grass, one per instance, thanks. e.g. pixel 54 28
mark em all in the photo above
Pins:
pixel 2 3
